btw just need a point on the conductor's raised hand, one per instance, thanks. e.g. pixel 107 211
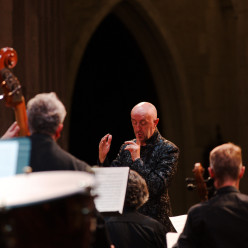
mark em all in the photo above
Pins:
pixel 104 147
pixel 133 148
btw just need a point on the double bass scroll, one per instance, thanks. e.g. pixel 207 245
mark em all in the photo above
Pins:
pixel 8 58
pixel 204 187
pixel 12 93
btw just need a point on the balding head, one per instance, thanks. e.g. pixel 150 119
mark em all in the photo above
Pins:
pixel 146 108
pixel 144 120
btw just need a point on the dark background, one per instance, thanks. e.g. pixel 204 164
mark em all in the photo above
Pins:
pixel 112 78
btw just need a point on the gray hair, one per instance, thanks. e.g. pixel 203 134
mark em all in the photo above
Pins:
pixel 45 113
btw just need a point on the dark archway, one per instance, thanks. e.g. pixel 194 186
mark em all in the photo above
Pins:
pixel 112 78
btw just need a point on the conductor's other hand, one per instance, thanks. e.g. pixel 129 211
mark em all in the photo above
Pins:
pixel 12 131
pixel 133 148
pixel 104 147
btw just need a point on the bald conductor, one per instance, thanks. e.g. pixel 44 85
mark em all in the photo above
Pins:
pixel 151 155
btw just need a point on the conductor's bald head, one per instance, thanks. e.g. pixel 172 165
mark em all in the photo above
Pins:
pixel 144 120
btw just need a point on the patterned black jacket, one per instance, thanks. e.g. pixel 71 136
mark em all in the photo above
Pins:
pixel 157 165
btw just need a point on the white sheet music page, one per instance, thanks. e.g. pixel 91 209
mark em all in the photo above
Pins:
pixel 178 222
pixel 171 239
pixel 111 185
pixel 8 157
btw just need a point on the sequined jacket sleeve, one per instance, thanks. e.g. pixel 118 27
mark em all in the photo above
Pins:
pixel 157 165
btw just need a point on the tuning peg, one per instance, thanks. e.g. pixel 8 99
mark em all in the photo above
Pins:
pixel 189 180
pixel 191 187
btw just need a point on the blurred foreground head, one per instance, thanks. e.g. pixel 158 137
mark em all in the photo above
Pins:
pixel 137 191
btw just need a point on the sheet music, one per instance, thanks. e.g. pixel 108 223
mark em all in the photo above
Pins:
pixel 171 239
pixel 178 222
pixel 8 157
pixel 111 184
pixel 14 155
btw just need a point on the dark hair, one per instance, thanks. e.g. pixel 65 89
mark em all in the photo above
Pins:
pixel 137 191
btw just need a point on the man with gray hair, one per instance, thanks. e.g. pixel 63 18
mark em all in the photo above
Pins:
pixel 221 221
pixel 46 114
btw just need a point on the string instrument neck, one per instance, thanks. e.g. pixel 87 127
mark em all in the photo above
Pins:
pixel 11 87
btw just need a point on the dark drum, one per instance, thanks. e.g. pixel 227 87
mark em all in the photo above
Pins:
pixel 47 209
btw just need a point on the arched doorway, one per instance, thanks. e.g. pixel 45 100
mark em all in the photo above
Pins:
pixel 113 76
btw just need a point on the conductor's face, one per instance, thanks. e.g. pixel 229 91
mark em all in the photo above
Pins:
pixel 144 124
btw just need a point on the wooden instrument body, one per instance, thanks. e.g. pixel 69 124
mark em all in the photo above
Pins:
pixel 204 187
pixel 199 181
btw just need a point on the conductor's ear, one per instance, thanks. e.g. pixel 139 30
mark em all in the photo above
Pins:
pixel 156 122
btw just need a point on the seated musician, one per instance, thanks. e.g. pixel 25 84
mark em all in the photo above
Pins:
pixel 46 114
pixel 132 229
pixel 221 221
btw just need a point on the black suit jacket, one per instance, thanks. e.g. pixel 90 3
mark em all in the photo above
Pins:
pixel 47 155
pixel 134 230
pixel 220 222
